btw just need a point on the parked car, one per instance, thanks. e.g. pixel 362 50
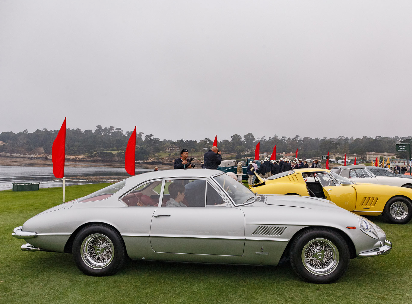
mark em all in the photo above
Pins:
pixel 361 174
pixel 394 203
pixel 202 216
pixel 379 171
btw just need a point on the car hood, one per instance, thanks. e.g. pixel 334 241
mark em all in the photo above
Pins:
pixel 295 201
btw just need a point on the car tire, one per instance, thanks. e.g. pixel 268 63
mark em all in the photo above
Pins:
pixel 398 210
pixel 407 186
pixel 98 250
pixel 319 255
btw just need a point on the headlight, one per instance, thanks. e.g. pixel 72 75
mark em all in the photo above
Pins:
pixel 367 227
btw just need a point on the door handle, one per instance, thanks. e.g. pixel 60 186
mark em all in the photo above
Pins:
pixel 159 215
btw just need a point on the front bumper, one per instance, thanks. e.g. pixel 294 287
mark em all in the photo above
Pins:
pixel 384 248
pixel 18 233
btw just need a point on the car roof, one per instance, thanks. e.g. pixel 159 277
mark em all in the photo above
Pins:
pixel 352 167
pixel 182 173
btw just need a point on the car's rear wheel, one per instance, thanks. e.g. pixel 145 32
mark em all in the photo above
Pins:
pixel 398 210
pixel 98 250
pixel 319 255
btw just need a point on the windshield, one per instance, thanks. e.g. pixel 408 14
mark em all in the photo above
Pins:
pixel 381 172
pixel 239 193
pixel 360 173
pixel 103 193
pixel 340 179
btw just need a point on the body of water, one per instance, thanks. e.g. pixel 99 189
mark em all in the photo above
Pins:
pixel 74 175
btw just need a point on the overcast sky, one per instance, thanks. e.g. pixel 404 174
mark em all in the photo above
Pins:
pixel 194 69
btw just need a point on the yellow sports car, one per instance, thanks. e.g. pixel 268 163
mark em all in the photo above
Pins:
pixel 394 203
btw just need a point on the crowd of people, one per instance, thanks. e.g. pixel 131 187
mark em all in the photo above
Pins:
pixel 213 158
pixel 270 167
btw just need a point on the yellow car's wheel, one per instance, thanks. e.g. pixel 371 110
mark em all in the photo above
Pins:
pixel 398 210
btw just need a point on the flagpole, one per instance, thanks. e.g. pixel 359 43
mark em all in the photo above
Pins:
pixel 64 189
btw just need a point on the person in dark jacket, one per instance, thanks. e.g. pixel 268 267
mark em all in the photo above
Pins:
pixel 275 167
pixel 251 173
pixel 287 166
pixel 281 164
pixel 212 158
pixel 265 169
pixel 182 162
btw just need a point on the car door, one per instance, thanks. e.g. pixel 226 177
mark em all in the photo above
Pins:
pixel 342 195
pixel 196 225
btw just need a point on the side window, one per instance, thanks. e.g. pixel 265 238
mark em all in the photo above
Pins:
pixel 184 193
pixel 213 198
pixel 352 173
pixel 325 180
pixel 144 195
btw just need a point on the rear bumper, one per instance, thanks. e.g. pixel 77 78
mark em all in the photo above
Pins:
pixel 30 247
pixel 20 234
pixel 384 248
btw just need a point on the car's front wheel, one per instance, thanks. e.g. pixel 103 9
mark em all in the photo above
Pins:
pixel 319 255
pixel 98 250
pixel 398 210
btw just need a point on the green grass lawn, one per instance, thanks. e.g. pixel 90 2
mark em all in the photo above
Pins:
pixel 45 277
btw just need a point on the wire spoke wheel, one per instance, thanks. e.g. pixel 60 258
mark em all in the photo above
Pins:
pixel 320 256
pixel 399 210
pixel 97 251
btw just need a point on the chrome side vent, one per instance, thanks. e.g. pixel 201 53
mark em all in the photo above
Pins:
pixel 269 230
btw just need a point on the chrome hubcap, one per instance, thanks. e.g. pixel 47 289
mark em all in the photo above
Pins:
pixel 320 256
pixel 97 251
pixel 399 210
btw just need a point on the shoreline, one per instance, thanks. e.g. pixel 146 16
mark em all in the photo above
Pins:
pixel 44 161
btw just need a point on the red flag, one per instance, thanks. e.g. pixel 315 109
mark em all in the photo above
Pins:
pixel 257 150
pixel 273 156
pixel 297 152
pixel 355 161
pixel 327 162
pixel 345 160
pixel 59 151
pixel 215 142
pixel 130 154
pixel 376 162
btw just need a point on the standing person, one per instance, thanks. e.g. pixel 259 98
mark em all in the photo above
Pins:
pixel 281 164
pixel 183 162
pixel 239 171
pixel 275 167
pixel 316 164
pixel 251 173
pixel 212 158
pixel 305 164
pixel 287 166
pixel 265 169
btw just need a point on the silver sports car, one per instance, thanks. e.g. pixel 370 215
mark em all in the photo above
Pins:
pixel 201 215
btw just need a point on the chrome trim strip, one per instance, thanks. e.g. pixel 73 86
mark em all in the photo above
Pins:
pixel 208 237
pixel 383 249
pixel 18 233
